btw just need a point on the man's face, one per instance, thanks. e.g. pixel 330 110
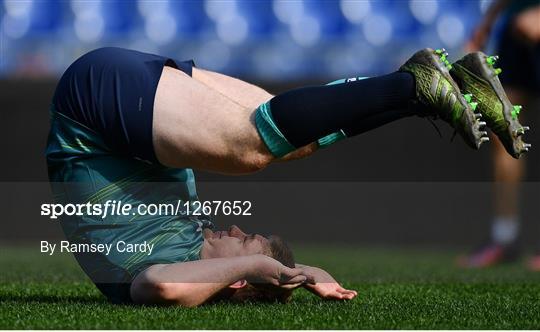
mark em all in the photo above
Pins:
pixel 231 243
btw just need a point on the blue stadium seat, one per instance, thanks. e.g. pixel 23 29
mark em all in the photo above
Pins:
pixel 288 50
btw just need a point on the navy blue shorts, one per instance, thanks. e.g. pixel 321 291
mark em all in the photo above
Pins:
pixel 111 91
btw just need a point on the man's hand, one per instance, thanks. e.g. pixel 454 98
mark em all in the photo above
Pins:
pixel 527 25
pixel 481 33
pixel 479 38
pixel 270 271
pixel 324 285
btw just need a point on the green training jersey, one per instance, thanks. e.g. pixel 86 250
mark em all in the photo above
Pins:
pixel 84 170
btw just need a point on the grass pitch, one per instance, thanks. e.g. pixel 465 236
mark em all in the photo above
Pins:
pixel 406 289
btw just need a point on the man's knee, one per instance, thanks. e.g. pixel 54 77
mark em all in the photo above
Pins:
pixel 254 161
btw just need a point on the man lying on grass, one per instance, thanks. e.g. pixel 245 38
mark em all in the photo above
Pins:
pixel 130 126
pixel 236 266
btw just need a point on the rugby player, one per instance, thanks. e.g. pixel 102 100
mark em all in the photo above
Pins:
pixel 519 46
pixel 131 126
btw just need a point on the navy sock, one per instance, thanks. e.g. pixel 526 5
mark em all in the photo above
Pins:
pixel 378 120
pixel 307 114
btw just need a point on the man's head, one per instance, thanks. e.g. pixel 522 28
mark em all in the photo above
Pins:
pixel 234 242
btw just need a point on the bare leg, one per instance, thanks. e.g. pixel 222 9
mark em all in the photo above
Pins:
pixel 243 93
pixel 247 95
pixel 206 122
pixel 508 174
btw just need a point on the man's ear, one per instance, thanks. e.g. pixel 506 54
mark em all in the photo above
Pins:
pixel 239 284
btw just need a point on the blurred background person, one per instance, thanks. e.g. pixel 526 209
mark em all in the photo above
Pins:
pixel 518 45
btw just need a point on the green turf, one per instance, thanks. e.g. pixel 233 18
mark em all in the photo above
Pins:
pixel 397 289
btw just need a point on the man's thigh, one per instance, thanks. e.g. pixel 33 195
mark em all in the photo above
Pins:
pixel 196 126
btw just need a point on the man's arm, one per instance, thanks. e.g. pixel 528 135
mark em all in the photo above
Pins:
pixel 482 31
pixel 527 25
pixel 193 283
pixel 324 285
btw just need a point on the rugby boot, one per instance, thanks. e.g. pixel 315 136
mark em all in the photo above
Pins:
pixel 437 92
pixel 534 263
pixel 488 255
pixel 476 75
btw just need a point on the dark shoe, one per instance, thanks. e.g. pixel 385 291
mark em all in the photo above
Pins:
pixel 489 255
pixel 476 75
pixel 441 96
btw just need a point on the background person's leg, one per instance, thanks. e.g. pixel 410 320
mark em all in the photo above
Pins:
pixel 508 173
pixel 505 225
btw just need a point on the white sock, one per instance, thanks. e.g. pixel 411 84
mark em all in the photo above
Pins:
pixel 504 230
